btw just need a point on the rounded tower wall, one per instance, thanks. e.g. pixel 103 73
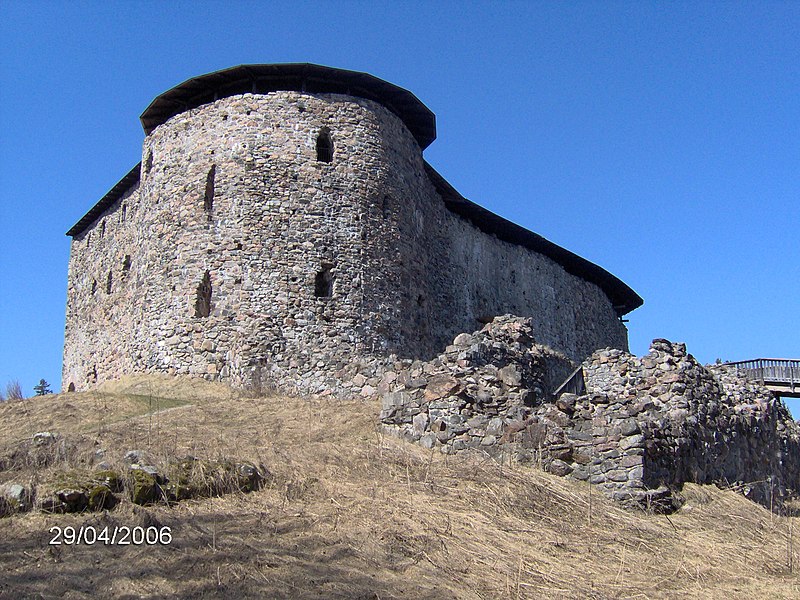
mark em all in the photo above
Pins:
pixel 248 248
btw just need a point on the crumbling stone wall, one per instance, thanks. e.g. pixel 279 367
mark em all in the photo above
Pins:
pixel 211 264
pixel 701 424
pixel 643 428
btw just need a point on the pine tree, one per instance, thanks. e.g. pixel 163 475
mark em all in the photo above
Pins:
pixel 43 388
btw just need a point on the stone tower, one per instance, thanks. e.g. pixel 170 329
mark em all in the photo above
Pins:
pixel 283 224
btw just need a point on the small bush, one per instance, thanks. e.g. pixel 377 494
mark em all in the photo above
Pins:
pixel 14 391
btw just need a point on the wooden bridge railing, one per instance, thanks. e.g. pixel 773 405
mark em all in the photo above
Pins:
pixel 771 370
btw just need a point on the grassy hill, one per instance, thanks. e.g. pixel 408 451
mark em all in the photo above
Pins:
pixel 351 513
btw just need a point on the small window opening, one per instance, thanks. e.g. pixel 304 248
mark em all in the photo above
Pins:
pixel 102 229
pixel 94 286
pixel 420 300
pixel 126 265
pixel 123 213
pixel 148 162
pixel 109 283
pixel 71 387
pixel 208 201
pixel 323 283
pixel 385 207
pixel 88 239
pixel 324 146
pixel 202 306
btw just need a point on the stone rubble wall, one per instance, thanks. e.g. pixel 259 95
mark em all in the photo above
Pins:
pixel 643 428
pixel 408 274
pixel 483 385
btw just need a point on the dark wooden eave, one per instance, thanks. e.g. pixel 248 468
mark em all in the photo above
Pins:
pixel 301 77
pixel 622 297
pixel 114 194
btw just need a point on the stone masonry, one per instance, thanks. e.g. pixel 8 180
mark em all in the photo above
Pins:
pixel 298 240
pixel 643 427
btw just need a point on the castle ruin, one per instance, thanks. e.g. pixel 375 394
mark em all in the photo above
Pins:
pixel 283 225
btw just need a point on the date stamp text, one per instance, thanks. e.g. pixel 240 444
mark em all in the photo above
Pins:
pixel 110 536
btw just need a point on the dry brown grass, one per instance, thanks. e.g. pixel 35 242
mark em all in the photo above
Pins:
pixel 354 514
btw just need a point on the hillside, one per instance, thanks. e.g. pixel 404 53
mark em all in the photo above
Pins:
pixel 351 513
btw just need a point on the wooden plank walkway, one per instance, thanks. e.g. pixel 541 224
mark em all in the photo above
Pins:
pixel 780 375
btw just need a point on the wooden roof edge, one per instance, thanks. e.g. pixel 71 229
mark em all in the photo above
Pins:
pixel 114 194
pixel 622 297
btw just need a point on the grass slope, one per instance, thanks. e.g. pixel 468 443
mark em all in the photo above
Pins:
pixel 354 514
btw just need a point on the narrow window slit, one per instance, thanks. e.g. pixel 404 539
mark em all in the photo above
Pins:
pixel 109 283
pixel 202 306
pixel 126 265
pixel 208 201
pixel 323 282
pixel 324 146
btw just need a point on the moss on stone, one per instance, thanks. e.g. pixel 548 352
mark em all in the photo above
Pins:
pixel 111 479
pixel 143 487
pixel 101 497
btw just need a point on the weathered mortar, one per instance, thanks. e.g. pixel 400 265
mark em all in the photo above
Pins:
pixel 408 274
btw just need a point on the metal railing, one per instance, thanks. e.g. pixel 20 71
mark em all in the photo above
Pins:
pixel 770 370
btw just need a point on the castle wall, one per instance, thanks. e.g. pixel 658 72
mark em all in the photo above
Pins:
pixel 233 189
pixel 644 427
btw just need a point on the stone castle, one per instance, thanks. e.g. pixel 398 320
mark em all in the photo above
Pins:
pixel 283 229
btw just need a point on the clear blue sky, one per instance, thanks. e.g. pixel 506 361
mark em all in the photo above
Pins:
pixel 659 140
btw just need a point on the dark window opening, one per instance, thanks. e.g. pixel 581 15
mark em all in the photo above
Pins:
pixel 88 239
pixel 323 283
pixel 420 300
pixel 208 201
pixel 126 265
pixel 202 306
pixel 148 162
pixel 108 283
pixel 71 387
pixel 102 229
pixel 123 213
pixel 94 286
pixel 324 146
pixel 385 207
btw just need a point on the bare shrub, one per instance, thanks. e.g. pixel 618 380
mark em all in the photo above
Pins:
pixel 14 391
